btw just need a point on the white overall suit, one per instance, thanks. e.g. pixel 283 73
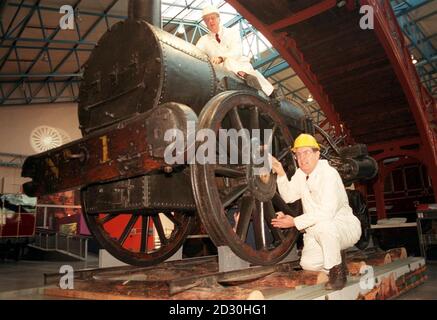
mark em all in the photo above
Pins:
pixel 230 48
pixel 328 221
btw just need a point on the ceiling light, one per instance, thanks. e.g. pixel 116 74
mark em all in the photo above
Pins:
pixel 310 98
pixel 414 60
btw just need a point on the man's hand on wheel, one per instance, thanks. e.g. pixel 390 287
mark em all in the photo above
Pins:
pixel 283 220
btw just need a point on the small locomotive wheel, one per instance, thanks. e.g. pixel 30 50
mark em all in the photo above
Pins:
pixel 141 237
pixel 235 203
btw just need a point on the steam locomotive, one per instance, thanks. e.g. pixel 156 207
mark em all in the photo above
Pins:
pixel 140 82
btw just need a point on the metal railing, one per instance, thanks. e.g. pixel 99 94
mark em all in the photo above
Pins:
pixel 73 245
pixel 58 206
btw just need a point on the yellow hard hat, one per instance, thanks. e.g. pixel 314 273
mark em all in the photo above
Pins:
pixel 305 140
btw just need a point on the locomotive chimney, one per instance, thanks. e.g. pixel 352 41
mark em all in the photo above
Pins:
pixel 148 10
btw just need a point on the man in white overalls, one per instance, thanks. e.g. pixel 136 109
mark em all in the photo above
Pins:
pixel 328 221
pixel 223 46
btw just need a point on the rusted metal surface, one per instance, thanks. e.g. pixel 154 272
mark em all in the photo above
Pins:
pixel 147 67
pixel 152 192
pixel 126 149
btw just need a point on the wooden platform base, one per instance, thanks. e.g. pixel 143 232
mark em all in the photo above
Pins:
pixel 391 275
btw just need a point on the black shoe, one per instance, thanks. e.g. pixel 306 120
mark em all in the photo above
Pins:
pixel 338 275
pixel 252 81
pixel 344 262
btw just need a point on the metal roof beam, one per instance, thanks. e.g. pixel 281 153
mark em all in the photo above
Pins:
pixel 86 34
pixel 38 81
pixel 426 16
pixel 423 62
pixel 262 62
pixel 4 32
pixel 67 84
pixel 81 12
pixel 39 75
pixel 50 41
pixel 405 7
pixel 427 38
pixel 26 19
pixel 276 69
pixel 48 49
pixel 42 50
pixel 417 37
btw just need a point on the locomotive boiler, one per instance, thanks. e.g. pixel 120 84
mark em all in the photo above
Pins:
pixel 140 83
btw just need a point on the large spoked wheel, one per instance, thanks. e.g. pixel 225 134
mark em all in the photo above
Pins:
pixel 141 237
pixel 235 202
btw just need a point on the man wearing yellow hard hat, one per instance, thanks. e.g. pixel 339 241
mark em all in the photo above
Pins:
pixel 328 221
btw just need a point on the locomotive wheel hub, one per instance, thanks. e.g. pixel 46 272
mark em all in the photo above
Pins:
pixel 262 184
pixel 265 178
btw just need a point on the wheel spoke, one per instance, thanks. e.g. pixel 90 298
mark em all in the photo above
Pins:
pixel 275 147
pixel 222 153
pixel 254 118
pixel 281 205
pixel 283 153
pixel 145 219
pixel 120 241
pixel 270 141
pixel 258 226
pixel 128 229
pixel 233 195
pixel 235 119
pixel 159 228
pixel 246 209
pixel 269 214
pixel 237 124
pixel 231 144
pixel 228 172
pixel 108 218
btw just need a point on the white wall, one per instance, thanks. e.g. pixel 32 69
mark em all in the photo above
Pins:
pixel 10 180
pixel 16 125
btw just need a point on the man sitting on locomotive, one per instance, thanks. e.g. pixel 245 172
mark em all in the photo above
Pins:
pixel 224 47
pixel 328 221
